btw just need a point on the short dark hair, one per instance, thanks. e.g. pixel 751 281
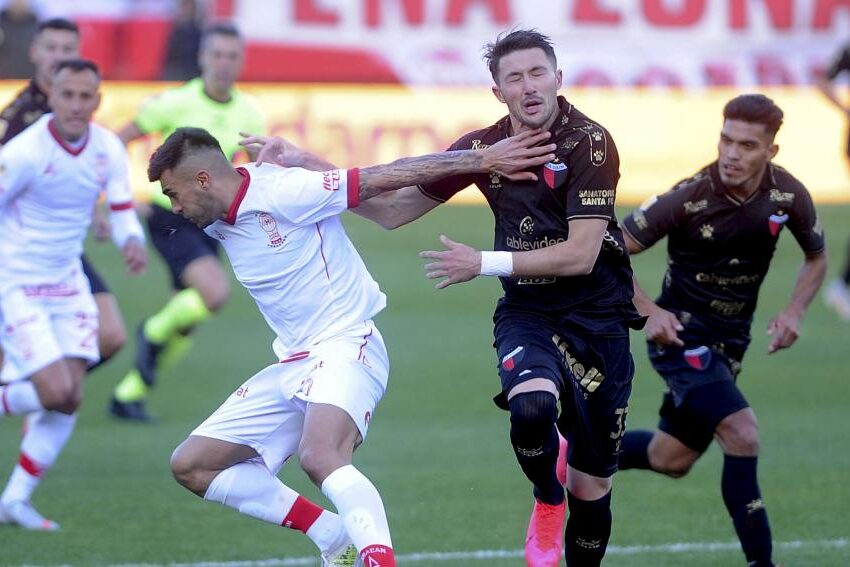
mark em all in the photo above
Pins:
pixel 78 65
pixel 756 109
pixel 219 28
pixel 181 143
pixel 57 24
pixel 515 40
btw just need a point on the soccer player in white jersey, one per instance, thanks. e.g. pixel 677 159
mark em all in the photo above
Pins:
pixel 282 232
pixel 51 176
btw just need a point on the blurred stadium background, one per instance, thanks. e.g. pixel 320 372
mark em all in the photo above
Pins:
pixel 366 81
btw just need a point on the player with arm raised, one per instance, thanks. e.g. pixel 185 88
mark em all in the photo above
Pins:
pixel 51 176
pixel 562 327
pixel 282 232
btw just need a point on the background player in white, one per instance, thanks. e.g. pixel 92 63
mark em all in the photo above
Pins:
pixel 51 176
pixel 282 232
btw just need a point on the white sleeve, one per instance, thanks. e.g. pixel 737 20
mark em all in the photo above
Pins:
pixel 123 220
pixel 18 169
pixel 304 197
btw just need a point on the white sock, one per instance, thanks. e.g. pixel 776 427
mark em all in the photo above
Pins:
pixel 253 490
pixel 19 398
pixel 360 506
pixel 47 434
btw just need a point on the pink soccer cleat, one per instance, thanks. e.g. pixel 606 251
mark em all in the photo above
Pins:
pixel 561 464
pixel 544 541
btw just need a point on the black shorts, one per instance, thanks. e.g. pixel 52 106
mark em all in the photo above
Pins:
pixel 592 373
pixel 701 393
pixel 179 242
pixel 96 283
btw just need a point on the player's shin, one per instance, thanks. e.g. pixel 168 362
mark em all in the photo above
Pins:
pixel 742 497
pixel 46 435
pixel 535 442
pixel 588 530
pixel 19 398
pixel 250 488
pixel 362 511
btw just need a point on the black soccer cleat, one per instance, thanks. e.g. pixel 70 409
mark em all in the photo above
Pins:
pixel 130 411
pixel 147 355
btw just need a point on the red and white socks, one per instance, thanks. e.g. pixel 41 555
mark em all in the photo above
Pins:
pixel 46 435
pixel 19 398
pixel 253 490
pixel 362 511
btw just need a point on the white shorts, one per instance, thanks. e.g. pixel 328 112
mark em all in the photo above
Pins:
pixel 40 324
pixel 266 413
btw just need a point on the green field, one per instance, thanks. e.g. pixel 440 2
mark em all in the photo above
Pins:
pixel 438 448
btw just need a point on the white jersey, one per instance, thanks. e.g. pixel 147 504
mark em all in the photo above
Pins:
pixel 48 191
pixel 288 247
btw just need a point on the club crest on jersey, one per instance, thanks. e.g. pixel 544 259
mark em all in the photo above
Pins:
pixel 554 173
pixel 775 222
pixel 510 360
pixel 269 226
pixel 698 358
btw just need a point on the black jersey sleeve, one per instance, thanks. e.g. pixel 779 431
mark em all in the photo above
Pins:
pixel 593 169
pixel 840 63
pixel 655 218
pixel 444 189
pixel 805 224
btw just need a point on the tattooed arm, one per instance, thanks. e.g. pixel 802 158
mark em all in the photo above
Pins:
pixel 509 158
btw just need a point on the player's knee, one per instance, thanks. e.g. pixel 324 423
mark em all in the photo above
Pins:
pixel 319 462
pixel 533 411
pixel 742 441
pixel 215 293
pixel 533 417
pixel 188 472
pixel 674 466
pixel 59 395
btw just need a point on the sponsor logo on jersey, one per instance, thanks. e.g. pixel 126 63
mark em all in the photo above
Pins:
pixel 510 360
pixel 698 358
pixel 526 226
pixel 778 196
pixel 692 207
pixel 330 180
pixel 775 223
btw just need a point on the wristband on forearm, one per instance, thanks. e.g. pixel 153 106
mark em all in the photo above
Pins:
pixel 497 264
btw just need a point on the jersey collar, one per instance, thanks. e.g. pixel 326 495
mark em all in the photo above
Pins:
pixel 65 146
pixel 717 186
pixel 240 195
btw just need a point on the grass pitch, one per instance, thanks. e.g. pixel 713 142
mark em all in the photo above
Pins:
pixel 438 448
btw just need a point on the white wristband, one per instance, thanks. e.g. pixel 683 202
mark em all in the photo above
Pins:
pixel 497 264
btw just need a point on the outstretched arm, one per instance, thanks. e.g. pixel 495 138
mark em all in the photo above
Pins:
pixel 785 327
pixel 509 157
pixel 394 208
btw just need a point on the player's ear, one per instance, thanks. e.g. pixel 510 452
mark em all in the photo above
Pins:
pixel 203 179
pixel 773 150
pixel 97 99
pixel 497 92
pixel 560 76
